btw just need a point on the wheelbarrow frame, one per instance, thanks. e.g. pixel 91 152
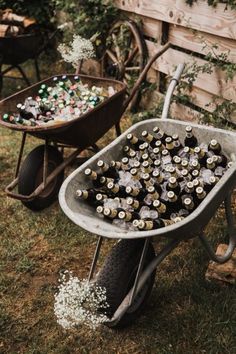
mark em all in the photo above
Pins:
pixel 191 226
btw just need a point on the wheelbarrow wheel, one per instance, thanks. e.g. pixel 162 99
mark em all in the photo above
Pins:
pixel 118 275
pixel 31 175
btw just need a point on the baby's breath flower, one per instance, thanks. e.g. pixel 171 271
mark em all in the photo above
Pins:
pixel 77 50
pixel 78 302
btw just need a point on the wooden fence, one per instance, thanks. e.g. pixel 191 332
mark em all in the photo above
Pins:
pixel 192 31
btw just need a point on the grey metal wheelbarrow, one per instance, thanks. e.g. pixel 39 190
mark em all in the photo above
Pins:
pixel 129 270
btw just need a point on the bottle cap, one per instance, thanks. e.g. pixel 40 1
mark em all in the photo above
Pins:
pixel 199 190
pixel 121 215
pixel 107 211
pixel 145 133
pixel 110 185
pixel 151 189
pixel 188 129
pixel 88 172
pixel 136 223
pixel 190 185
pixel 99 209
pixel 156 203
pixel 156 129
pixel 100 163
pixel 156 150
pixel 175 137
pixel 170 194
pixel 187 201
pixel 129 200
pixel 172 180
pixel 213 143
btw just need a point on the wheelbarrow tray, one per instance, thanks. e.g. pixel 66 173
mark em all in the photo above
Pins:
pixel 85 216
pixel 80 132
pixel 15 50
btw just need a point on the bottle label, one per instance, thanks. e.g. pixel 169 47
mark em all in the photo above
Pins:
pixel 148 225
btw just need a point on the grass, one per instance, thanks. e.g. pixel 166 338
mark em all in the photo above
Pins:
pixel 185 314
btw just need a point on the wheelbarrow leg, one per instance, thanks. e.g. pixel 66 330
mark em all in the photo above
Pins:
pixel 231 232
pixel 20 154
pixel 37 69
pixel 118 129
pixel 23 75
pixel 1 76
pixel 95 258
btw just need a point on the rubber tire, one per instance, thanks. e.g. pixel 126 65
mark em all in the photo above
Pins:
pixel 29 177
pixel 118 274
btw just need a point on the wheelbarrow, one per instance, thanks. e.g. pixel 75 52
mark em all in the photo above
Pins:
pixel 129 270
pixel 16 50
pixel 41 174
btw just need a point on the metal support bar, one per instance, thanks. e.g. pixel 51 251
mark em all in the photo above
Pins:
pixel 143 278
pixel 232 236
pixel 40 188
pixel 20 153
pixel 95 258
pixel 23 75
pixel 36 65
pixel 45 163
pixel 174 81
pixel 139 271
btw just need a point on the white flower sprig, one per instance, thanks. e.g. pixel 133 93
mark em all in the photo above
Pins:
pixel 78 49
pixel 78 303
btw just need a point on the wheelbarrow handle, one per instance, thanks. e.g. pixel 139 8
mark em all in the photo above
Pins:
pixel 174 81
pixel 144 73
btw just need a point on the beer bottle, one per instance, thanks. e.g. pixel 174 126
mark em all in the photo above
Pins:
pixel 202 156
pixel 153 194
pixel 158 176
pixel 138 193
pixel 212 182
pixel 134 141
pixel 173 185
pixel 108 171
pixel 111 213
pixel 116 189
pixel 128 215
pixel 173 203
pixel 160 135
pixel 170 146
pixel 188 204
pixel 210 164
pixel 176 142
pixel 94 177
pixel 116 164
pixel 161 209
pixel 86 194
pixel 151 224
pixel 146 167
pixel 222 160
pixel 151 140
pixel 190 140
pixel 134 203
pixel 215 147
pixel 200 195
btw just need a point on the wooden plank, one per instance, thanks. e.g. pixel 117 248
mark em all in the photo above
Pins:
pixel 224 272
pixel 182 112
pixel 152 28
pixel 177 110
pixel 201 42
pixel 214 83
pixel 200 16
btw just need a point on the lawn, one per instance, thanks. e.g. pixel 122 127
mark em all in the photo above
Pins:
pixel 185 314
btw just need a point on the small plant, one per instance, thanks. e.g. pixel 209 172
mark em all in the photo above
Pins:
pixel 79 49
pixel 79 302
